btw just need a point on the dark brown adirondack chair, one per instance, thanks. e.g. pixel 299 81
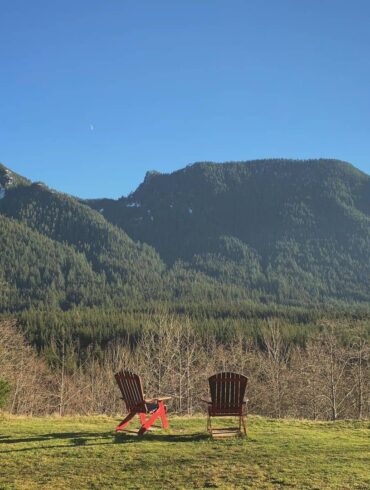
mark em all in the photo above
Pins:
pixel 227 400
pixel 132 394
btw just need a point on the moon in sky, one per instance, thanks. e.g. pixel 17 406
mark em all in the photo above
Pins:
pixel 91 127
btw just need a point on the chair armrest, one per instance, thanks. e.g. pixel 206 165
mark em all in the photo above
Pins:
pixel 158 399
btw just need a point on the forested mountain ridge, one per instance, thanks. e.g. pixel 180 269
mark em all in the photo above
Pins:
pixel 111 266
pixel 292 232
pixel 43 230
pixel 258 202
pixel 291 229
pixel 64 219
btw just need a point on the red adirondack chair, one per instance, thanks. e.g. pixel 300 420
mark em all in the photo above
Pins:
pixel 132 394
pixel 227 399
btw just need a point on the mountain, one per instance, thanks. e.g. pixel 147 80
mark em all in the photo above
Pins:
pixel 57 252
pixel 55 226
pixel 296 231
pixel 286 231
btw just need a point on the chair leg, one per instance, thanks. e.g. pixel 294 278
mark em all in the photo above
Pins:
pixel 209 425
pixel 125 421
pixel 146 424
pixel 149 423
pixel 242 419
pixel 162 410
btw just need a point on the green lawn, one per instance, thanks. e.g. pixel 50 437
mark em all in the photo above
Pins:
pixel 84 452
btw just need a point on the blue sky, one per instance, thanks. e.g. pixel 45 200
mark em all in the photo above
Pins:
pixel 94 93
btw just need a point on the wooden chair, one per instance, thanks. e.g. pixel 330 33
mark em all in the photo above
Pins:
pixel 133 396
pixel 227 400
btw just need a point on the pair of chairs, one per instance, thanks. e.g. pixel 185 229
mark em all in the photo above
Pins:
pixel 227 392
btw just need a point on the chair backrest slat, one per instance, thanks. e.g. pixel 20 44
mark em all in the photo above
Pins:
pixel 131 388
pixel 227 390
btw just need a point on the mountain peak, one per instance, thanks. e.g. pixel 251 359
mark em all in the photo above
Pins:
pixel 150 175
pixel 9 179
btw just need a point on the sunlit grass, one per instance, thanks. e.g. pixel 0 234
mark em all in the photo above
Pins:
pixel 84 452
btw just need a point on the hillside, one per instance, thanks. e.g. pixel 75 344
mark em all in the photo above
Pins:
pixel 35 270
pixel 41 227
pixel 293 230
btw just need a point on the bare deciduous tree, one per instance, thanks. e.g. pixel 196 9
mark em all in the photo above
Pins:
pixel 326 378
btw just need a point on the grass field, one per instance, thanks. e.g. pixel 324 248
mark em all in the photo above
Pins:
pixel 83 452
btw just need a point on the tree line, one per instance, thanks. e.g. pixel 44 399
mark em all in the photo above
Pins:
pixel 327 377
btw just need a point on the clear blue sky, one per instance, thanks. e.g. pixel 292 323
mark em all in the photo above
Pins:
pixel 93 93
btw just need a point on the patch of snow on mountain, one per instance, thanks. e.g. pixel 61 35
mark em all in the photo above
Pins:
pixel 8 176
pixel 133 205
pixel 2 193
pixel 101 210
pixel 190 211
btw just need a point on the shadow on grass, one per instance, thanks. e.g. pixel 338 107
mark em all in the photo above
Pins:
pixel 88 439
pixel 124 438
pixel 53 435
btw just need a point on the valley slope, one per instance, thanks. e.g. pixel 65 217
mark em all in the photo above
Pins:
pixel 295 231
pixel 283 231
